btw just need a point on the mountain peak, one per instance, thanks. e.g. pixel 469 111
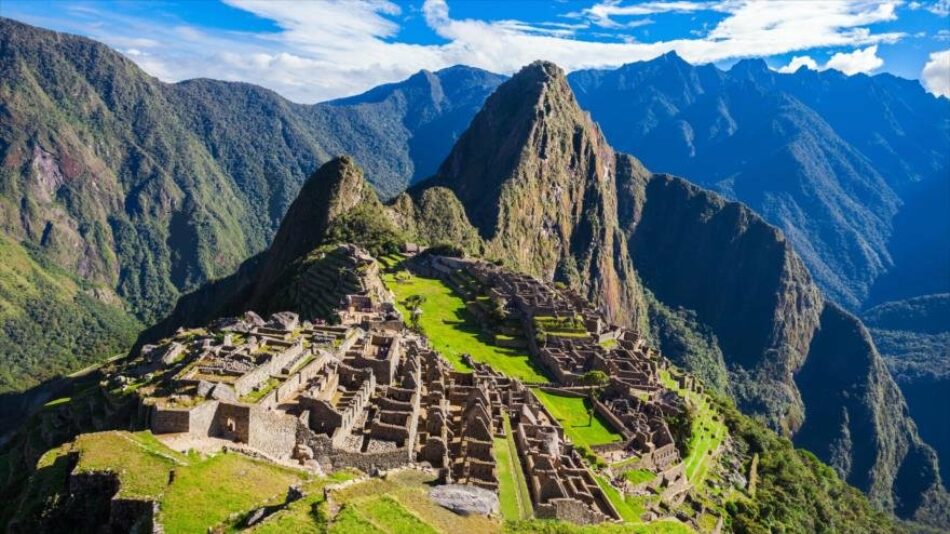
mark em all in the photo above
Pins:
pixel 536 179
pixel 673 57
pixel 522 117
pixel 541 68
pixel 751 68
pixel 337 187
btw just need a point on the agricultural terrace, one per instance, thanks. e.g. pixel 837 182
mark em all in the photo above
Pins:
pixel 453 332
pixel 396 504
pixel 513 488
pixel 707 431
pixel 573 414
pixel 563 327
pixel 204 492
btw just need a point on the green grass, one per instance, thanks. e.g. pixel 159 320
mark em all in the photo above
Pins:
pixel 350 521
pixel 387 515
pixel 572 413
pixel 512 486
pixel 627 512
pixel 204 491
pixel 208 491
pixel 390 261
pixel 57 402
pixel 639 476
pixel 259 394
pixel 566 327
pixel 305 515
pixel 410 491
pixel 707 431
pixel 142 469
pixel 453 332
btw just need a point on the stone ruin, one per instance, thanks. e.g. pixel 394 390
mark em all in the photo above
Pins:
pixel 368 393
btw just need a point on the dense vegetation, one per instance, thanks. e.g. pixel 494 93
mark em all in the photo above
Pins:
pixel 913 335
pixel 794 491
pixel 688 343
pixel 153 189
pixel 52 323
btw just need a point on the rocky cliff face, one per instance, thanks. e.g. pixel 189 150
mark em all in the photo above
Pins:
pixel 536 178
pixel 694 250
pixel 789 354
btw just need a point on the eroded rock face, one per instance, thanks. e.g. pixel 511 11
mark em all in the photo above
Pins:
pixel 466 500
pixel 536 178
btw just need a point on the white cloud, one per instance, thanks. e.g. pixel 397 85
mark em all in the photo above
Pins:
pixel 936 74
pixel 850 63
pixel 334 48
pixel 940 8
pixel 797 62
pixel 605 13
pixel 864 61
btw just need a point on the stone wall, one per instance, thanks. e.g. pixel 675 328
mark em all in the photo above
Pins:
pixel 612 418
pixel 293 384
pixel 233 422
pixel 168 420
pixel 367 461
pixel 258 376
pixel 568 510
pixel 202 418
pixel 274 433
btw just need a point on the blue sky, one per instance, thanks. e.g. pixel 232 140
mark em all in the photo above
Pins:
pixel 313 50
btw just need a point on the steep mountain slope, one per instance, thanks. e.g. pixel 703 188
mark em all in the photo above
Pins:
pixel 914 338
pixel 52 323
pixel 301 270
pixel 152 189
pixel 516 170
pixel 825 157
pixel 853 169
pixel 536 179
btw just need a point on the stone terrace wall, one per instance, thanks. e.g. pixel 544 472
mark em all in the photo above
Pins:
pixel 612 418
pixel 293 384
pixel 239 415
pixel 367 461
pixel 168 420
pixel 273 433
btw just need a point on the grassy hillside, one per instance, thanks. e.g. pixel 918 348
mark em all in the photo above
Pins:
pixel 52 323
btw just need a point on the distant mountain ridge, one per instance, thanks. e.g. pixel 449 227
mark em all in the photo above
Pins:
pixel 826 157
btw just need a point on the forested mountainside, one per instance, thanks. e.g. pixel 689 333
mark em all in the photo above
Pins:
pixel 914 337
pixel 692 263
pixel 41 308
pixel 151 189
pixel 855 170
pixel 827 158
pixel 148 190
